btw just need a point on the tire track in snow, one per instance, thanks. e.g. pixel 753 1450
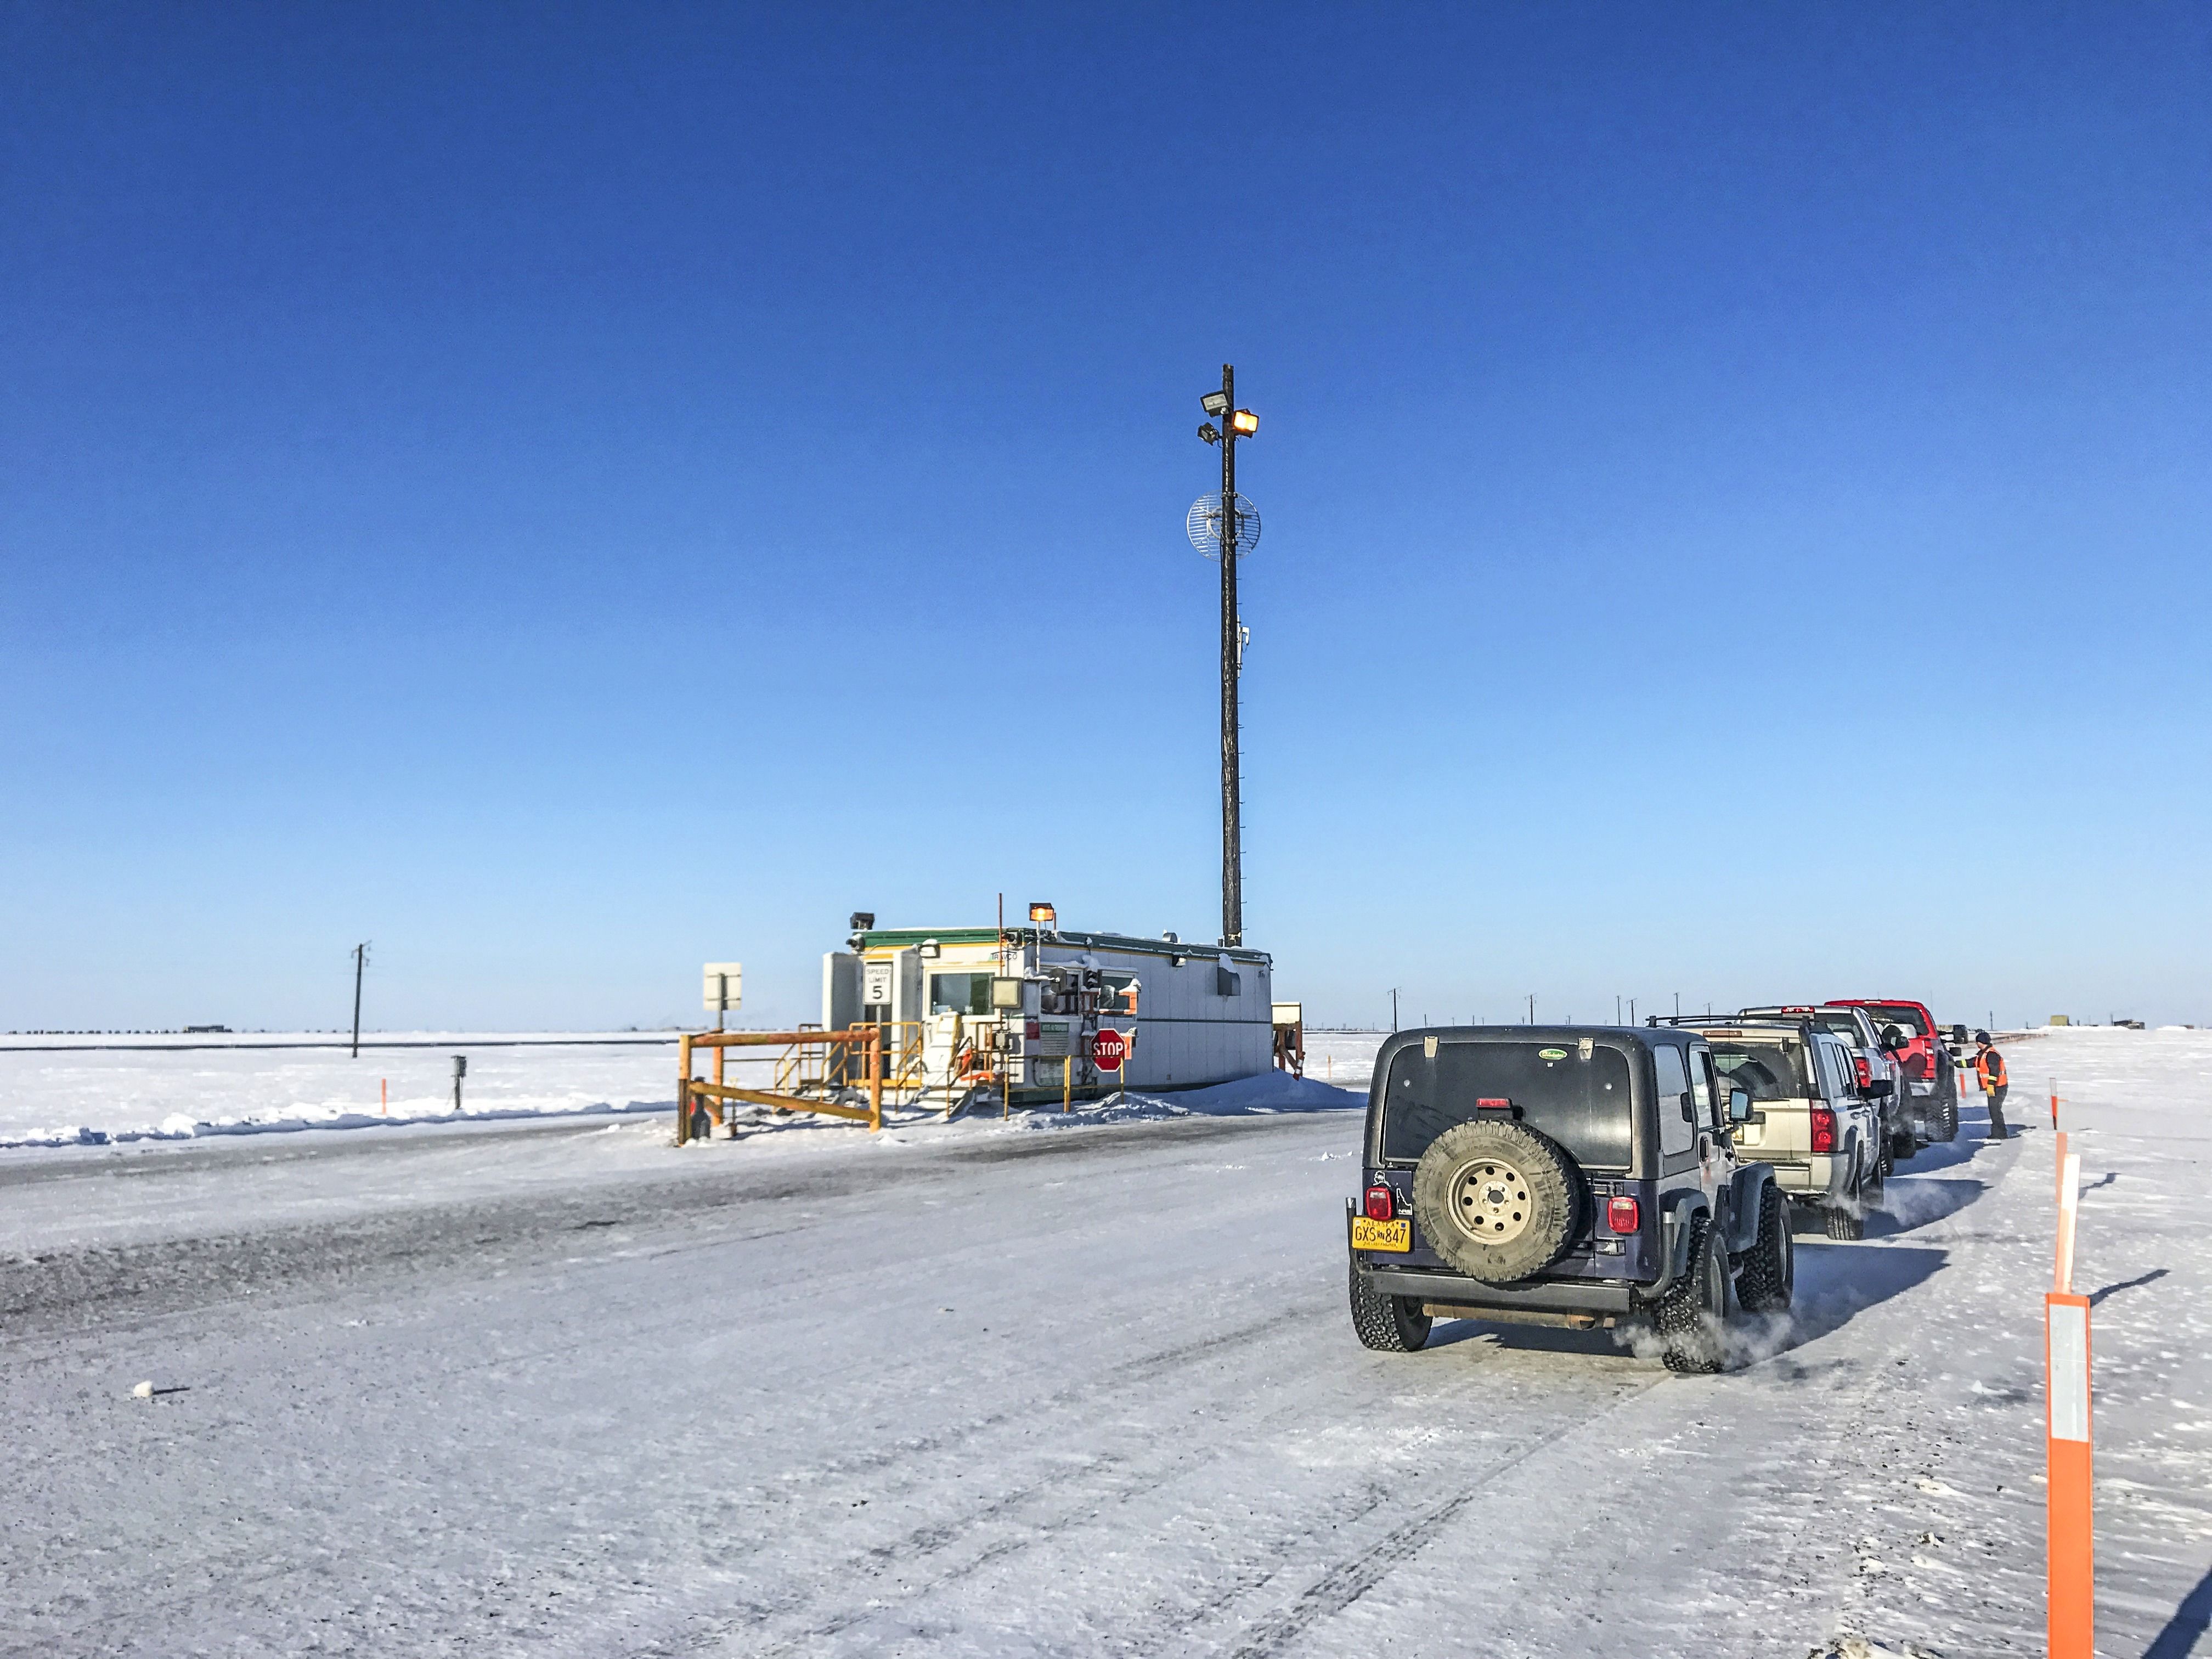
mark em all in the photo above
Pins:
pixel 1356 1574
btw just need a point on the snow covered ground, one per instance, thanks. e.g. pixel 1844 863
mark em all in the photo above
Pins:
pixel 56 1090
pixel 554 1387
pixel 73 1091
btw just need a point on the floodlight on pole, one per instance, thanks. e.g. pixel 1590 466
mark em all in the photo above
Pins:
pixel 1215 403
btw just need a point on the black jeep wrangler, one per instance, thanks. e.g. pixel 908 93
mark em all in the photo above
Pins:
pixel 1561 1174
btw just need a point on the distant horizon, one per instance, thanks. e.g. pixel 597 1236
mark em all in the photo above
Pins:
pixel 658 1032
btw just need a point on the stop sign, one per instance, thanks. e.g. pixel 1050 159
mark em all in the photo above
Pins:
pixel 1107 1049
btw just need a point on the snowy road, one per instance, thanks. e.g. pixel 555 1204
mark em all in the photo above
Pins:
pixel 557 1390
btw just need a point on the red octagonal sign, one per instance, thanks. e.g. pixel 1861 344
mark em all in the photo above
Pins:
pixel 1107 1050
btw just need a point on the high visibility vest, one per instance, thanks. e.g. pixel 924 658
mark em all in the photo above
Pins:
pixel 1989 1065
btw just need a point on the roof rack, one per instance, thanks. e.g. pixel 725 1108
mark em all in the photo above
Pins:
pixel 1791 1022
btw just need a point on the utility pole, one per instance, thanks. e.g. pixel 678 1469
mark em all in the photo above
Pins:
pixel 1678 1004
pixel 1394 1008
pixel 1235 423
pixel 1532 1007
pixel 360 961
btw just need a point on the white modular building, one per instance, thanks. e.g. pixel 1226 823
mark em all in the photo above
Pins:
pixel 967 1007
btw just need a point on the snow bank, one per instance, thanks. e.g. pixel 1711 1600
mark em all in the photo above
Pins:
pixel 1270 1092
pixel 70 1092
pixel 178 1127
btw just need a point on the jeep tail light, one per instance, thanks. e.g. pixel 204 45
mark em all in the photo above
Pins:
pixel 1824 1131
pixel 1866 1072
pixel 1380 1203
pixel 1622 1215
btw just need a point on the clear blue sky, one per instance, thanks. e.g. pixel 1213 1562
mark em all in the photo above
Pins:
pixel 569 493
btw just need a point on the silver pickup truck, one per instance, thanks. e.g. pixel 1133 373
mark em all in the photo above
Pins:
pixel 1811 1119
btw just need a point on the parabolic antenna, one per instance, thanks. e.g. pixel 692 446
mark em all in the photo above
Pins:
pixel 1204 524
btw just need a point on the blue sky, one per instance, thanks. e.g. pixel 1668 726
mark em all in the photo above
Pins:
pixel 568 494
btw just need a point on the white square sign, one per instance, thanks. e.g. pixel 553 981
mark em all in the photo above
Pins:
pixel 876 983
pixel 725 980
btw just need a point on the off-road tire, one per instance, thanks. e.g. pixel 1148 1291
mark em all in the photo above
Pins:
pixel 1947 1114
pixel 1520 1188
pixel 1690 1314
pixel 1389 1324
pixel 1844 1223
pixel 1903 1146
pixel 1769 1279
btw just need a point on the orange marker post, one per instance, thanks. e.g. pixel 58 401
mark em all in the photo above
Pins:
pixel 2061 1171
pixel 383 1096
pixel 2072 1592
pixel 2069 1189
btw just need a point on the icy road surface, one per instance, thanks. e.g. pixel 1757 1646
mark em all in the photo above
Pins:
pixel 558 1388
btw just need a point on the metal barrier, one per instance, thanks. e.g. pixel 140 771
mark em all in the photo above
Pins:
pixel 696 1095
pixel 810 1068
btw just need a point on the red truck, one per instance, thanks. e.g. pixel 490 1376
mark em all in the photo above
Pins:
pixel 1931 1080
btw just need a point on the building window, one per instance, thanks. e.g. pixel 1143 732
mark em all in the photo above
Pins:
pixel 959 993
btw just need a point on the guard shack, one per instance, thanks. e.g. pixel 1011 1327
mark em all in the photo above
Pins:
pixel 1021 1009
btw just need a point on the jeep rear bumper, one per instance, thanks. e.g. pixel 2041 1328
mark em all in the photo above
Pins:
pixel 1596 1298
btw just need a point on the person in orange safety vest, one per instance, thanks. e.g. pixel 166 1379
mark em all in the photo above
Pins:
pixel 1990 1067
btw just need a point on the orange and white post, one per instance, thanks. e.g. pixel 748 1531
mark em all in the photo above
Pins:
pixel 2069 1189
pixel 2072 1592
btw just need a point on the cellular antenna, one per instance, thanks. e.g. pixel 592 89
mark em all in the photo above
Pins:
pixel 1227 526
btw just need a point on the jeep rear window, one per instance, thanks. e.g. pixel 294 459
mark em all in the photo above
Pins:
pixel 1764 1071
pixel 1584 1104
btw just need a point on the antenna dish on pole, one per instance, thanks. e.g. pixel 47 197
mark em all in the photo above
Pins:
pixel 1203 526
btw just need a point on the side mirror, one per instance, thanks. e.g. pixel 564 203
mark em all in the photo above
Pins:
pixel 1880 1089
pixel 1959 1036
pixel 1739 1105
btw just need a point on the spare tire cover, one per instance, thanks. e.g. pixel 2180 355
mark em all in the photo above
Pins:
pixel 1496 1201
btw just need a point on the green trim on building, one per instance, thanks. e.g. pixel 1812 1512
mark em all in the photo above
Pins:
pixel 902 938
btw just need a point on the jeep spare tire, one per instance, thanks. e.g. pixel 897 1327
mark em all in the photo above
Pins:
pixel 1497 1200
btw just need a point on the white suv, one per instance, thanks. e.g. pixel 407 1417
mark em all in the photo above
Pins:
pixel 1810 1117
pixel 1870 1064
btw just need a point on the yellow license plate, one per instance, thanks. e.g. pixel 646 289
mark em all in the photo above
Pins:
pixel 1368 1235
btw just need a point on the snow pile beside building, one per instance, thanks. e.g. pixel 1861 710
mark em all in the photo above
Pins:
pixel 1270 1092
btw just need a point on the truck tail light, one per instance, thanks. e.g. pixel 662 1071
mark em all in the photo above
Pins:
pixel 1824 1129
pixel 1622 1215
pixel 1866 1072
pixel 1382 1203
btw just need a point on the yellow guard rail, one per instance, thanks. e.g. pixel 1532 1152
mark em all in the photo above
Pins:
pixel 691 1092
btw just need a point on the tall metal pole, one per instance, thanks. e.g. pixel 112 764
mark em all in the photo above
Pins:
pixel 1232 828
